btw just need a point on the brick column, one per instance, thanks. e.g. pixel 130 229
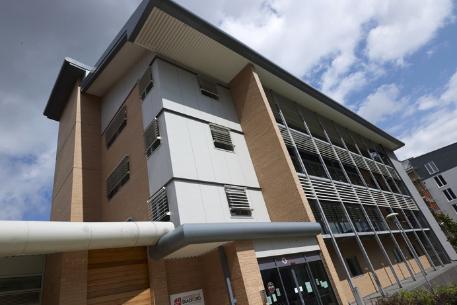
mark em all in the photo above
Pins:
pixel 281 188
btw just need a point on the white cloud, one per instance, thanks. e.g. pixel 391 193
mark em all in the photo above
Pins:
pixel 404 26
pixel 383 103
pixel 437 126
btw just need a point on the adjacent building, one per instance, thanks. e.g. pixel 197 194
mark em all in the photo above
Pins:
pixel 435 176
pixel 179 122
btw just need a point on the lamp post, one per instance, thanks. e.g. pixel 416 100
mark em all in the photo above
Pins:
pixel 393 216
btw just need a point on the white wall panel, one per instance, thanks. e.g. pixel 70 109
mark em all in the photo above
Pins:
pixel 194 156
pixel 181 93
pixel 206 203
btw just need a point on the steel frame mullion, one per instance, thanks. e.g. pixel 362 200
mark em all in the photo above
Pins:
pixel 407 220
pixel 378 240
pixel 352 286
pixel 420 225
pixel 394 240
pixel 359 241
pixel 397 223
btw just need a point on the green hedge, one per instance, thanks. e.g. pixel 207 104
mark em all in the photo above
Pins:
pixel 442 296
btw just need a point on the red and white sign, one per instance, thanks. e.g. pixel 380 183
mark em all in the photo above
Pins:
pixel 194 297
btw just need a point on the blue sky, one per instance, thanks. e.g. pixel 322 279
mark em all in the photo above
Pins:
pixel 393 62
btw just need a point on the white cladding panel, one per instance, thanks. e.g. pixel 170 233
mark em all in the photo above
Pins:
pixel 119 92
pixel 180 92
pixel 194 156
pixel 206 203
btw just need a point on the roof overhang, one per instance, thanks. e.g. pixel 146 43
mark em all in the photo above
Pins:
pixel 167 29
pixel 196 239
pixel 70 72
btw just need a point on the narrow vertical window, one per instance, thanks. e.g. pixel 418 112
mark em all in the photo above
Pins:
pixel 116 126
pixel 440 181
pixel 145 83
pixel 152 137
pixel 450 195
pixel 118 177
pixel 431 167
pixel 158 206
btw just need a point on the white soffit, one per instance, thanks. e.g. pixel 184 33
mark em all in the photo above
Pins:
pixel 128 55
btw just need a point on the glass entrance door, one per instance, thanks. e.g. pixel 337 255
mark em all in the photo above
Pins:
pixel 296 280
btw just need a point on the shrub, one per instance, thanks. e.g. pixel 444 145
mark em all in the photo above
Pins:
pixel 442 296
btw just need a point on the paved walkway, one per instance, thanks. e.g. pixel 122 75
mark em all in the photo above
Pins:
pixel 439 277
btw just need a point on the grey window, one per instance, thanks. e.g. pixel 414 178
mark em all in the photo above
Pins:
pixel 116 125
pixel 152 137
pixel 158 206
pixel 440 181
pixel 145 83
pixel 431 167
pixel 208 87
pixel 238 200
pixel 221 137
pixel 449 194
pixel 118 177
pixel 354 266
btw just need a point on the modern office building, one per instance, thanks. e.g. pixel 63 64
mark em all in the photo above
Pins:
pixel 435 176
pixel 229 164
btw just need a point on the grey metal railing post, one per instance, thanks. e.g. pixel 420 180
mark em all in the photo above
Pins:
pixel 354 289
pixel 378 240
pixel 400 227
pixel 356 234
pixel 416 220
pixel 394 240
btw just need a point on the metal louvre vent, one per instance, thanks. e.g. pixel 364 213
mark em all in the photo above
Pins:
pixel 364 195
pixel 379 198
pixel 325 149
pixel 343 155
pixel 152 137
pixel 391 200
pixel 221 137
pixel 238 200
pixel 145 83
pixel 303 141
pixel 115 126
pixel 346 192
pixel 118 177
pixel 208 87
pixel 324 189
pixel 306 185
pixel 158 206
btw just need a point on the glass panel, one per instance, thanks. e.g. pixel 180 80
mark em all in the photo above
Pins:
pixel 323 283
pixel 290 287
pixel 273 288
pixel 304 285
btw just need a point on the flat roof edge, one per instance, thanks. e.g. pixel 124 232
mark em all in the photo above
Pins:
pixel 70 72
pixel 188 234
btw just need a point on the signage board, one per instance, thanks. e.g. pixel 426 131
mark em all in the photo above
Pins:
pixel 193 297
